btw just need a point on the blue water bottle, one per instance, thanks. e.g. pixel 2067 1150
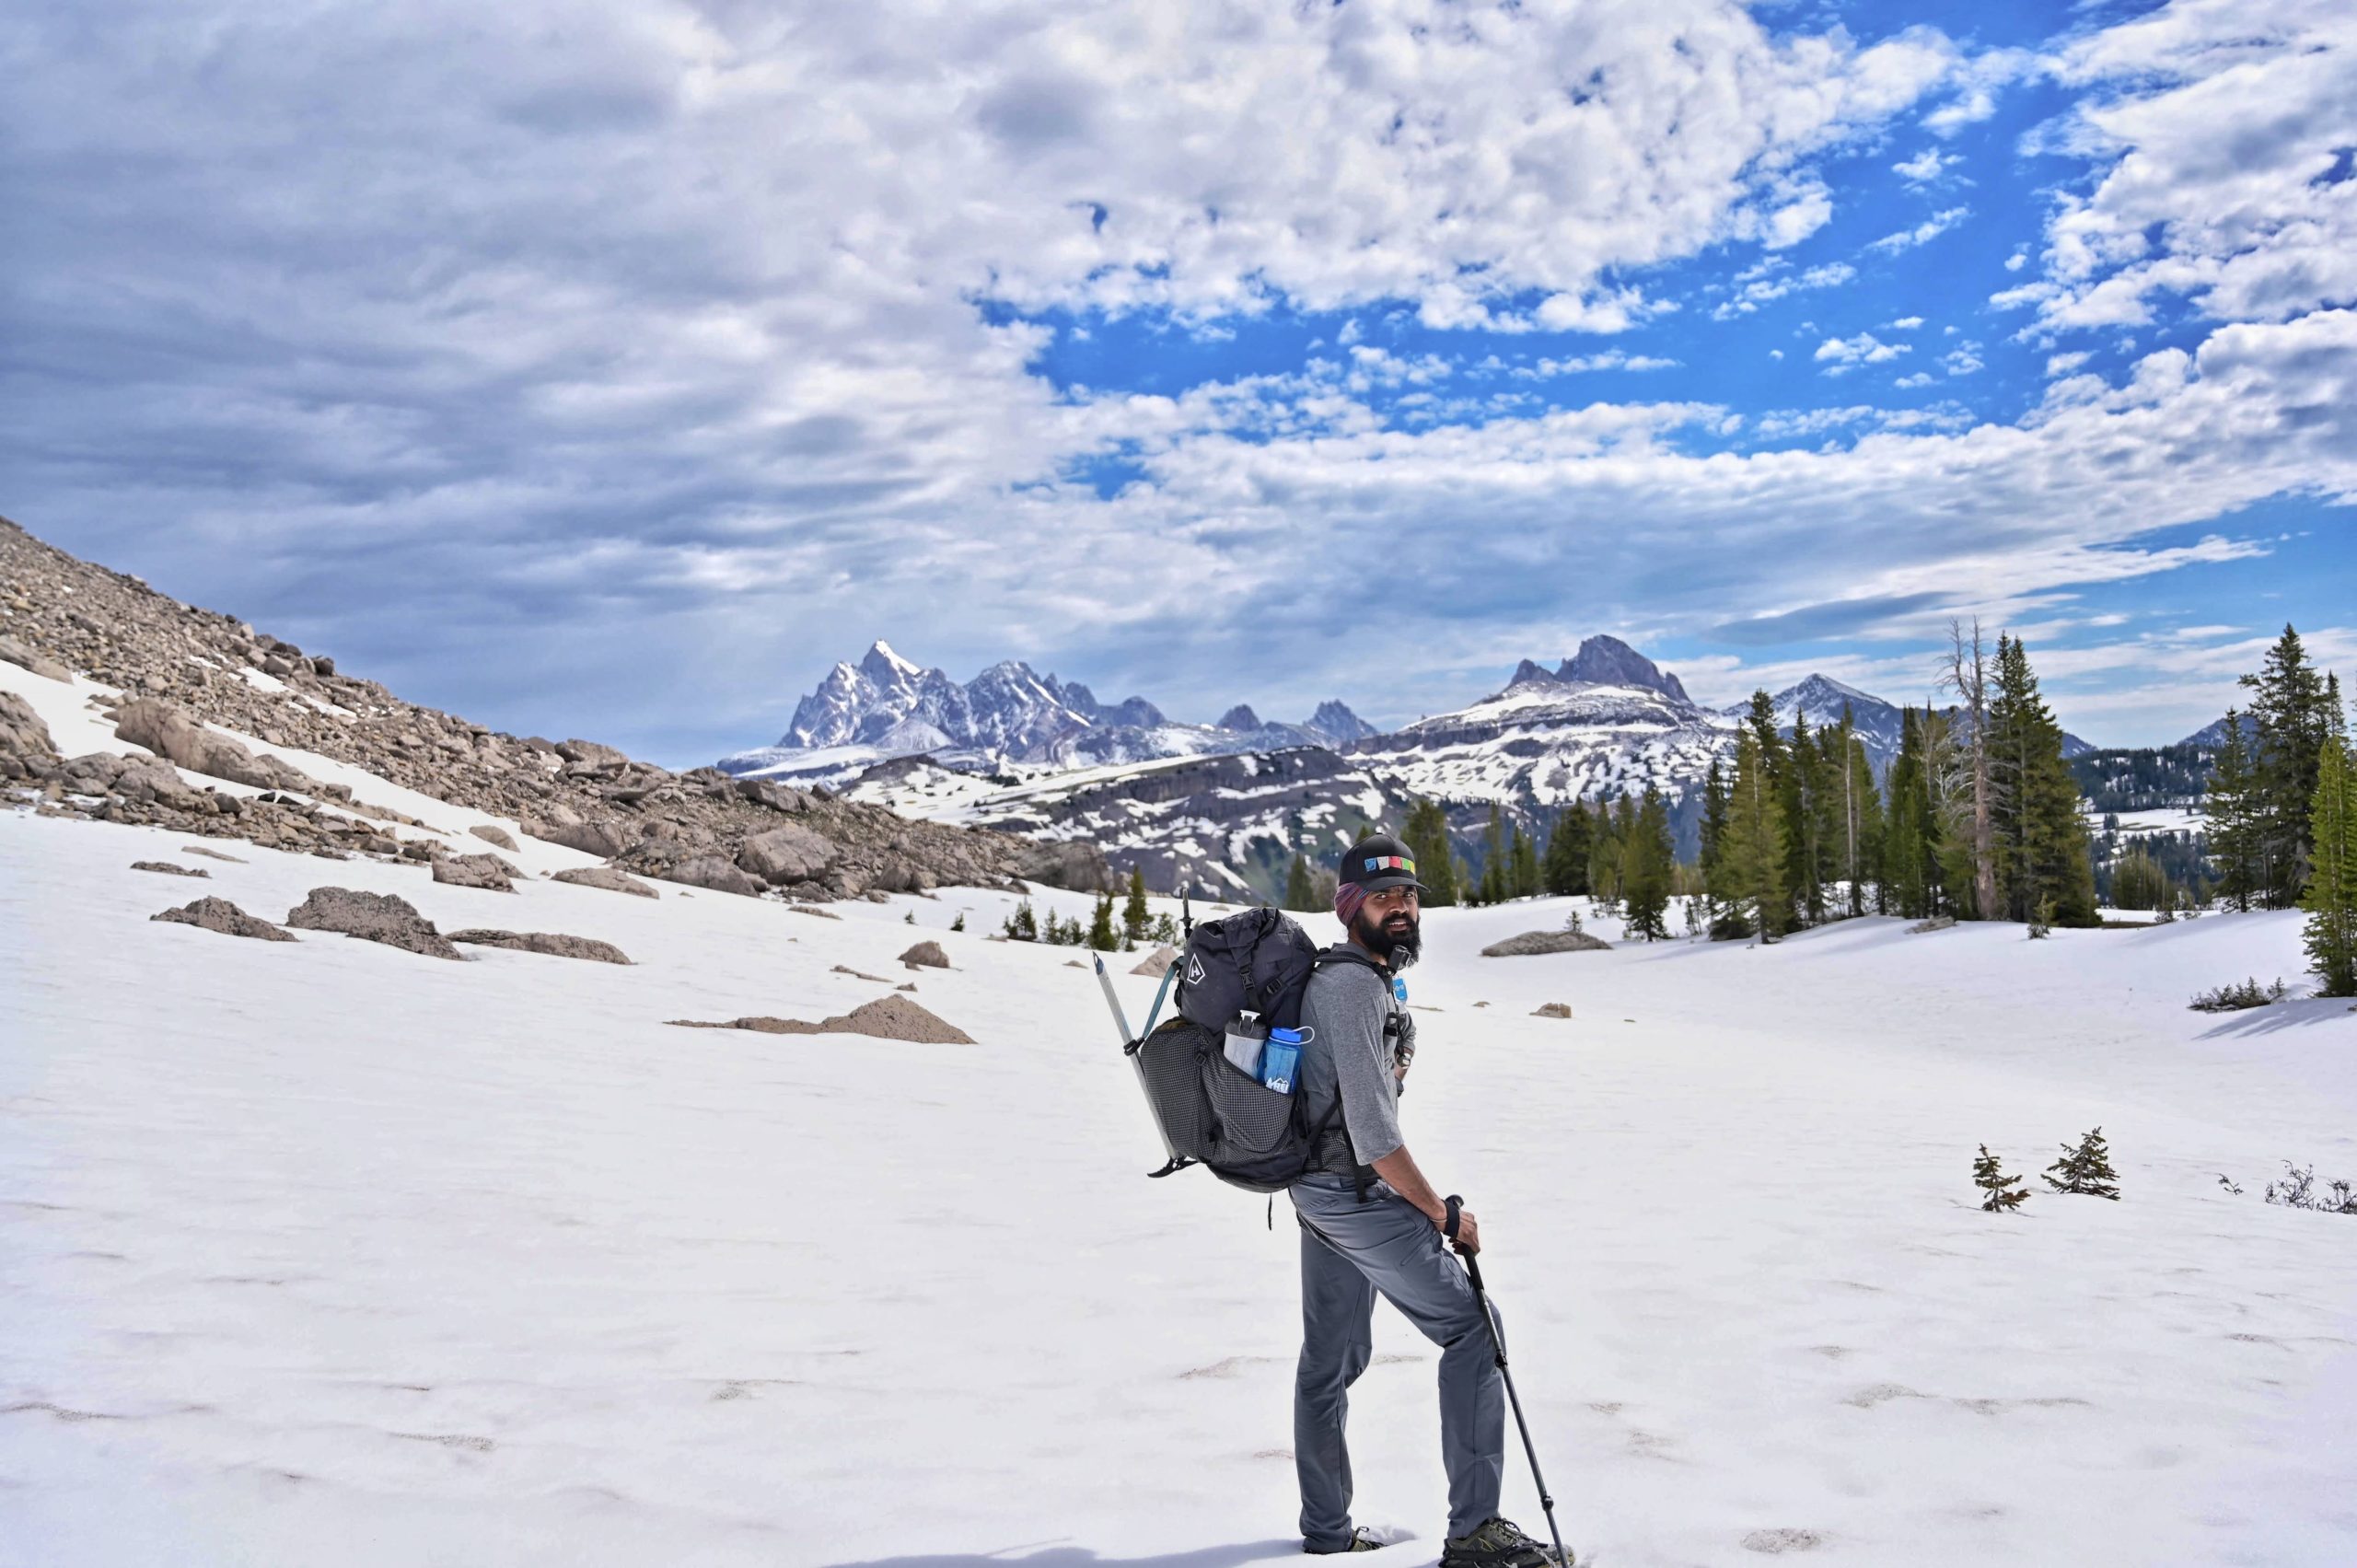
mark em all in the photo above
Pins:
pixel 1278 1058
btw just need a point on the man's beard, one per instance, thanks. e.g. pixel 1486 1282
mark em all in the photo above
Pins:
pixel 1399 948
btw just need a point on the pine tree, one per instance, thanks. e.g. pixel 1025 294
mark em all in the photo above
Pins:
pixel 1564 870
pixel 1799 796
pixel 2229 809
pixel 1750 885
pixel 959 923
pixel 1298 894
pixel 1858 817
pixel 1524 859
pixel 1603 855
pixel 1135 916
pixel 1714 814
pixel 2287 711
pixel 1426 836
pixel 1101 935
pixel 2085 1170
pixel 2037 834
pixel 2139 883
pixel 1496 872
pixel 1023 926
pixel 2331 932
pixel 1999 1196
pixel 1647 859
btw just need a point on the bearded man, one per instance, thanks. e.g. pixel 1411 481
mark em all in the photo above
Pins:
pixel 1372 1225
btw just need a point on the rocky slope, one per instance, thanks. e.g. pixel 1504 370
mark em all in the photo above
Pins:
pixel 172 671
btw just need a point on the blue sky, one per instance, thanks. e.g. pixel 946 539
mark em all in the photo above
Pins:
pixel 612 370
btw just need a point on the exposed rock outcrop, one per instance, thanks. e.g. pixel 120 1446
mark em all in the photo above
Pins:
pixel 555 943
pixel 494 835
pixel 486 870
pixel 1535 942
pixel 180 739
pixel 1158 963
pixel 168 868
pixel 1552 1010
pixel 925 954
pixel 372 917
pixel 221 915
pixel 886 1018
pixel 26 750
pixel 608 879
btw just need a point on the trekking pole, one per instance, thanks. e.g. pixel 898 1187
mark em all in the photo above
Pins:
pixel 1129 1044
pixel 1498 1343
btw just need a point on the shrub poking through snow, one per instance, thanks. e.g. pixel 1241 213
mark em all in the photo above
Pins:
pixel 959 923
pixel 2297 1190
pixel 2237 997
pixel 2085 1171
pixel 1023 926
pixel 1997 1187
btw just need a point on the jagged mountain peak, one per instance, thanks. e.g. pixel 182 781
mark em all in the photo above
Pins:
pixel 884 667
pixel 1241 717
pixel 1338 724
pixel 1529 672
pixel 1606 660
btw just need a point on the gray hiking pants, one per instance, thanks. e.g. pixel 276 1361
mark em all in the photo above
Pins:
pixel 1350 1251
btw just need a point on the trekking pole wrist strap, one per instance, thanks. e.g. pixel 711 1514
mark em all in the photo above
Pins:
pixel 1451 1206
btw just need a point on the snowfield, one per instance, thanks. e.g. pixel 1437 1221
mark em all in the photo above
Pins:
pixel 328 1254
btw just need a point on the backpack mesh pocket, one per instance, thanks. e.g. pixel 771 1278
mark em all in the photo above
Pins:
pixel 1247 1118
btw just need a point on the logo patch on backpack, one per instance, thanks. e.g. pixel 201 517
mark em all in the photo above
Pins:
pixel 1195 972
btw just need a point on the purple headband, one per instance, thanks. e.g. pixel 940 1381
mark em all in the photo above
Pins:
pixel 1348 896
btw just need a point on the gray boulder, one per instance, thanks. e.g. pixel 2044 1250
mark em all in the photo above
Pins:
pixel 221 915
pixel 555 943
pixel 490 834
pixel 926 955
pixel 25 658
pixel 486 870
pixel 710 871
pixel 606 877
pixel 603 839
pixel 25 750
pixel 372 917
pixel 168 868
pixel 592 754
pixel 1552 1010
pixel 1158 963
pixel 789 852
pixel 1533 942
pixel 1072 864
pixel 173 735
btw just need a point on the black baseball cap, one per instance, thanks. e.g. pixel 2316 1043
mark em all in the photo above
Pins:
pixel 1376 862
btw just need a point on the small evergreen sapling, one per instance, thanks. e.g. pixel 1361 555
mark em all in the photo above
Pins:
pixel 959 923
pixel 2085 1171
pixel 2000 1198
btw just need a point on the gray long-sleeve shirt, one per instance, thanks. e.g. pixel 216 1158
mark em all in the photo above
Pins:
pixel 1348 1057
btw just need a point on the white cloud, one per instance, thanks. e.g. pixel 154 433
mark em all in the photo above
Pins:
pixel 1771 281
pixel 1847 353
pixel 1921 378
pixel 2063 363
pixel 1926 166
pixel 1962 360
pixel 1930 229
pixel 1906 323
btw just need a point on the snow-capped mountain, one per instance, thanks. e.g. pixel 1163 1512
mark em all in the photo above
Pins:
pixel 1008 721
pixel 1550 738
pixel 1877 724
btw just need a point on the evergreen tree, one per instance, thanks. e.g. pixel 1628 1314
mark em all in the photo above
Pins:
pixel 1496 870
pixel 959 923
pixel 1023 926
pixel 2288 713
pixel 1564 870
pixel 1524 859
pixel 2229 810
pixel 1647 859
pixel 1101 935
pixel 1968 786
pixel 1135 916
pixel 1750 882
pixel 1915 846
pixel 1799 795
pixel 1715 815
pixel 1997 1187
pixel 2331 932
pixel 1603 855
pixel 1426 836
pixel 2139 883
pixel 2085 1171
pixel 2038 835
pixel 1298 894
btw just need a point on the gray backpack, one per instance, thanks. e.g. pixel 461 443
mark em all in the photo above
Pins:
pixel 1210 1111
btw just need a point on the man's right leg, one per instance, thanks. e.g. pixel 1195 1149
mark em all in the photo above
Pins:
pixel 1337 1338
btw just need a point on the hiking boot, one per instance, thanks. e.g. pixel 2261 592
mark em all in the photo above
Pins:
pixel 1362 1540
pixel 1499 1544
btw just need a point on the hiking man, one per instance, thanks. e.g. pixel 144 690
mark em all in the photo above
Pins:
pixel 1371 1222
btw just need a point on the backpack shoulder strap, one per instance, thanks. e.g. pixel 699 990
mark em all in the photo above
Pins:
pixel 1343 953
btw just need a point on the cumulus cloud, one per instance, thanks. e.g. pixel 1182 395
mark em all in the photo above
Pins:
pixel 582 366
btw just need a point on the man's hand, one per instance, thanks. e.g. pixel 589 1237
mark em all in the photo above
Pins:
pixel 1468 1235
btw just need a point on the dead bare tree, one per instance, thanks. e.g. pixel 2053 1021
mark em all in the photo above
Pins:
pixel 1971 787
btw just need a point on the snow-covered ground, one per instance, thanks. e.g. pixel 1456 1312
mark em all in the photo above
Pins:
pixel 327 1253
